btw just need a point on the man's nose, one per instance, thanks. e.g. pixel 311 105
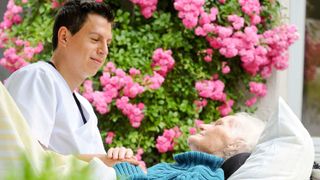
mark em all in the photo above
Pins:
pixel 103 50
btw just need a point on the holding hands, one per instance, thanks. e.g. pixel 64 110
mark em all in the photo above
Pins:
pixel 113 156
pixel 120 153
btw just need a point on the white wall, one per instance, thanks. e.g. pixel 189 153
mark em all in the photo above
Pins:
pixel 296 66
pixel 288 83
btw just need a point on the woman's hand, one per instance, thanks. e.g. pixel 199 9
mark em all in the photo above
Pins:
pixel 111 162
pixel 120 153
pixel 113 156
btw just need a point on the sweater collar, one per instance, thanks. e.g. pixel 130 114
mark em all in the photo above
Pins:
pixel 193 158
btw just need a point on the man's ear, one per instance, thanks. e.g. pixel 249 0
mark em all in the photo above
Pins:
pixel 63 36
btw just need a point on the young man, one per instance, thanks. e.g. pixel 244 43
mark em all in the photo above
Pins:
pixel 60 118
pixel 214 143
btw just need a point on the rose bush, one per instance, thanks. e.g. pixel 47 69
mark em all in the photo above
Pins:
pixel 172 64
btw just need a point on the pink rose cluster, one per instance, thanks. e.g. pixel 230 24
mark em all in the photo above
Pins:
pixel 251 8
pixel 115 82
pixel 208 57
pixel 56 4
pixel 3 38
pixel 153 82
pixel 119 86
pixel 15 58
pixel 258 90
pixel 163 61
pixel 147 7
pixel 193 130
pixel 270 51
pixel 206 20
pixel 278 40
pixel 258 53
pixel 189 11
pixel 133 111
pixel 225 68
pixel 237 21
pixel 109 137
pixel 200 104
pixel 139 154
pixel 11 16
pixel 226 108
pixel 166 142
pixel 213 89
pixel 139 158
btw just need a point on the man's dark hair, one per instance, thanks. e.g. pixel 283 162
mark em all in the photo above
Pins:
pixel 73 14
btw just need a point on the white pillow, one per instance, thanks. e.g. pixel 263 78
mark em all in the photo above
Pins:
pixel 285 150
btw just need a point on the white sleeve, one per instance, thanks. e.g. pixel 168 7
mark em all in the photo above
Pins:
pixel 100 171
pixel 34 93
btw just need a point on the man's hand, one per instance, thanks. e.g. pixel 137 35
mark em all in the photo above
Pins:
pixel 119 153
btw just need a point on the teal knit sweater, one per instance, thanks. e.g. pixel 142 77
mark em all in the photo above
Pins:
pixel 189 165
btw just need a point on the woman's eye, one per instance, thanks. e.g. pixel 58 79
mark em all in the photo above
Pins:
pixel 218 123
pixel 94 39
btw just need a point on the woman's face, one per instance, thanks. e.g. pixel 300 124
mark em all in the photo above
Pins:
pixel 215 137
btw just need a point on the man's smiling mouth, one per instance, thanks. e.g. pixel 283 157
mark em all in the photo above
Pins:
pixel 96 60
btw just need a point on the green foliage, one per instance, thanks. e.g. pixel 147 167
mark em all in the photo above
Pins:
pixel 134 40
pixel 172 105
pixel 36 27
pixel 48 171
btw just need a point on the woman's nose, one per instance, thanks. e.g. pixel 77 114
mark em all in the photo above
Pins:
pixel 203 126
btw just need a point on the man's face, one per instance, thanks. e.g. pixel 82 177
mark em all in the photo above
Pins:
pixel 87 49
pixel 215 137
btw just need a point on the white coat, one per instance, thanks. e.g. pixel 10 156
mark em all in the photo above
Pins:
pixel 46 102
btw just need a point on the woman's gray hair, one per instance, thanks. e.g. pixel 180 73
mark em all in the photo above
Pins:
pixel 247 135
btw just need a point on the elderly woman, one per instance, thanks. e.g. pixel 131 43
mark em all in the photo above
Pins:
pixel 214 143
